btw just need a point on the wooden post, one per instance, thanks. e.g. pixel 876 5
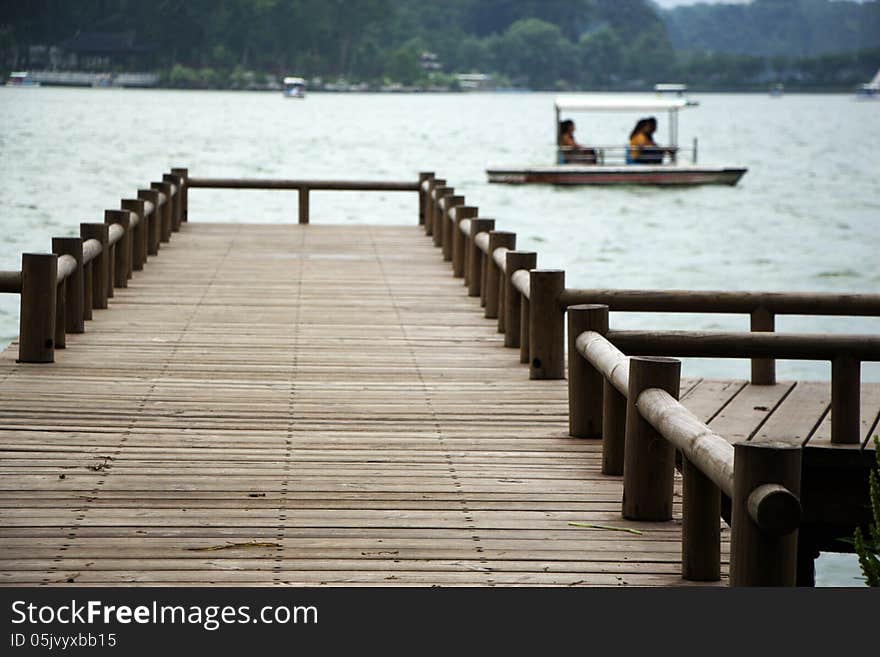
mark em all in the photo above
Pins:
pixel 613 429
pixel 764 515
pixel 154 220
pixel 122 255
pixel 763 369
pixel 584 381
pixel 165 212
pixel 175 200
pixel 474 263
pixel 845 402
pixel 439 213
pixel 431 205
pixel 546 324
pixel 459 241
pixel 101 264
pixel 423 176
pixel 524 330
pixel 183 174
pixel 87 290
pixel 448 226
pixel 499 323
pixel 494 275
pixel 61 315
pixel 700 526
pixel 303 205
pixel 649 459
pixel 36 328
pixel 73 285
pixel 139 234
pixel 516 260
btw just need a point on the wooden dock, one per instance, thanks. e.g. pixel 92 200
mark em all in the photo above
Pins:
pixel 324 405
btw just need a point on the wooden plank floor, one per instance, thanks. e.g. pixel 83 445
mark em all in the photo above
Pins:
pixel 270 405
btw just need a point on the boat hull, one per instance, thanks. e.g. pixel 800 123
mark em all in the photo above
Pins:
pixel 628 175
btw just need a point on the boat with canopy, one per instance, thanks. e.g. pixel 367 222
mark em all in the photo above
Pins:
pixel 613 164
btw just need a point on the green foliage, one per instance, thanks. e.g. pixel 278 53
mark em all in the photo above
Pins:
pixel 794 28
pixel 868 548
pixel 600 57
pixel 538 52
pixel 403 65
pixel 542 44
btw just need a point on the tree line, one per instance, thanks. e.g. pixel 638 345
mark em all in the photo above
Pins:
pixel 538 44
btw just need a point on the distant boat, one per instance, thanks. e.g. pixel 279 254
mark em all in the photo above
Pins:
pixel 870 89
pixel 612 165
pixel 294 87
pixel 777 90
pixel 21 79
pixel 670 89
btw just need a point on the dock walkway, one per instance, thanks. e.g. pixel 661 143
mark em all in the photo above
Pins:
pixel 312 404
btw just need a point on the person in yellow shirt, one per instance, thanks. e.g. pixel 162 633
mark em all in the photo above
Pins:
pixel 642 147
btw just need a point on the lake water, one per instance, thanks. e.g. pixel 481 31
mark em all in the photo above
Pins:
pixel 805 216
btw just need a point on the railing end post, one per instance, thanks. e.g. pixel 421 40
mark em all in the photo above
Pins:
pixel 764 552
pixel 39 289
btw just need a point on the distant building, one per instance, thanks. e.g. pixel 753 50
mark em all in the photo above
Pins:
pixel 430 62
pixel 475 82
pixel 92 51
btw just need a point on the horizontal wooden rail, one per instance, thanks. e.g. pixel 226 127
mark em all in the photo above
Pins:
pixel 499 255
pixel 92 248
pixel 66 266
pixel 305 187
pixel 706 301
pixel 610 361
pixel 117 232
pixel 522 282
pixel 718 344
pixel 10 282
pixel 328 185
pixel 711 453
pixel 762 308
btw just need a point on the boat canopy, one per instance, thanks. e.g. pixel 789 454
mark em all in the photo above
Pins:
pixel 623 103
pixel 670 88
pixel 294 81
pixel 619 103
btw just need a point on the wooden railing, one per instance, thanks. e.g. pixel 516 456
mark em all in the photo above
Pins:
pixel 631 402
pixel 59 290
pixel 762 308
pixel 303 187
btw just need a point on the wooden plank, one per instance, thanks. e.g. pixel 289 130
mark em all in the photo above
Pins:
pixel 797 417
pixel 744 415
pixel 869 411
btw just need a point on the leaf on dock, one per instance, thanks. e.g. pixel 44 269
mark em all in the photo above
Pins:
pixel 589 525
pixel 235 546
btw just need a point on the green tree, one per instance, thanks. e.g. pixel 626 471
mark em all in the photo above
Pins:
pixel 600 56
pixel 868 548
pixel 403 65
pixel 537 51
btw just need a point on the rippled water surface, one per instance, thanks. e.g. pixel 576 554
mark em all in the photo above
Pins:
pixel 805 217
